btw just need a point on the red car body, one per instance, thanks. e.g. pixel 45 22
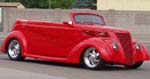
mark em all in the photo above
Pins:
pixel 64 42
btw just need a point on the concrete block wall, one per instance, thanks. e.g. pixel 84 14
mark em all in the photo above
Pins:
pixel 137 22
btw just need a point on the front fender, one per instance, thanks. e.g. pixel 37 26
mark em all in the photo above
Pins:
pixel 15 35
pixel 142 54
pixel 97 43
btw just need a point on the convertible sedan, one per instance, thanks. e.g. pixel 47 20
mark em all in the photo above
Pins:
pixel 84 40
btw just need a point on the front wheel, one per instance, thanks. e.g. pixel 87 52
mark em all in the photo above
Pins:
pixel 91 59
pixel 135 66
pixel 14 50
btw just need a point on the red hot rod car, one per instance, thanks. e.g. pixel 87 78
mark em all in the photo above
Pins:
pixel 85 39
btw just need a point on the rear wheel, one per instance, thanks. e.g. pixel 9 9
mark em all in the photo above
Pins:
pixel 14 50
pixel 135 66
pixel 91 59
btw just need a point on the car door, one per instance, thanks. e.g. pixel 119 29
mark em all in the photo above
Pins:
pixel 54 40
pixel 62 40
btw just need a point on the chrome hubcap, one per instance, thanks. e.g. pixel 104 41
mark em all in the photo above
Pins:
pixel 14 49
pixel 91 57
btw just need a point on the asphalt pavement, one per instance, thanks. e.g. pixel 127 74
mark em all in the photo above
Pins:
pixel 40 69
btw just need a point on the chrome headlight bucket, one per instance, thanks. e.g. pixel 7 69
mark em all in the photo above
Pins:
pixel 115 46
pixel 138 46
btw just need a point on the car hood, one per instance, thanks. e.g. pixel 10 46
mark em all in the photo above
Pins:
pixel 102 28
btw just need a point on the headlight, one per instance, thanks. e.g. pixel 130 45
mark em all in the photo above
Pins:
pixel 138 46
pixel 115 46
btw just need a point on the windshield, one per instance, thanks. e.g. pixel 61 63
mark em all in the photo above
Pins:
pixel 88 19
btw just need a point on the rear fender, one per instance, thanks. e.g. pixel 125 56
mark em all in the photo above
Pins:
pixel 15 35
pixel 97 43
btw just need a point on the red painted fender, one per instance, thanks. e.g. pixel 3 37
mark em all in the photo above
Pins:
pixel 142 54
pixel 97 43
pixel 145 52
pixel 15 35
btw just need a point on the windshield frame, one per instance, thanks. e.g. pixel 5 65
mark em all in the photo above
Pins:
pixel 101 17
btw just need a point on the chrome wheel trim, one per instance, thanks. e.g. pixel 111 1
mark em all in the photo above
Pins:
pixel 14 49
pixel 91 57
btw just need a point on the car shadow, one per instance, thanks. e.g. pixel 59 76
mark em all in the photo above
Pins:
pixel 44 62
pixel 68 65
pixel 76 66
